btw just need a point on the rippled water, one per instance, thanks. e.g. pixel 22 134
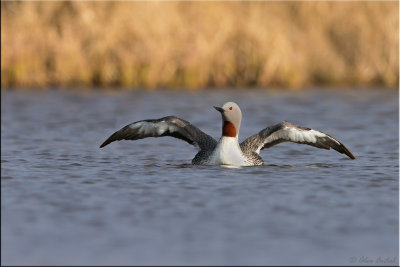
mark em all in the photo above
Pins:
pixel 65 201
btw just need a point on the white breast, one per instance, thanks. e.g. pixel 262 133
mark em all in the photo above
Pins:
pixel 228 152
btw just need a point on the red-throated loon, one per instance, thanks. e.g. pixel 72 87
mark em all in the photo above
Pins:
pixel 227 151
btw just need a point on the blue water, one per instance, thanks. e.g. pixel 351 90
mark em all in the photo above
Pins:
pixel 65 201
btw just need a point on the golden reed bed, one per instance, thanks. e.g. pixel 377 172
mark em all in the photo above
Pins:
pixel 193 45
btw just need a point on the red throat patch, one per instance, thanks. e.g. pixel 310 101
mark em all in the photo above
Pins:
pixel 228 129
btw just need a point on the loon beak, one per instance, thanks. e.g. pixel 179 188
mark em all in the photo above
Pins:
pixel 219 109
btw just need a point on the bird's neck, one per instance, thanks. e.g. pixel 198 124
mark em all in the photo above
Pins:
pixel 229 129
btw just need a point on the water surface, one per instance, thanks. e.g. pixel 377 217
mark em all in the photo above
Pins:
pixel 65 201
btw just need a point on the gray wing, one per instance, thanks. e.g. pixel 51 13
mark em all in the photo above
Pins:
pixel 167 126
pixel 285 131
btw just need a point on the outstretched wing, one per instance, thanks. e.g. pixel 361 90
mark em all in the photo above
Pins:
pixel 285 131
pixel 167 126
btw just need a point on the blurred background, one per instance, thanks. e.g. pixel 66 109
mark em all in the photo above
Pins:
pixel 194 45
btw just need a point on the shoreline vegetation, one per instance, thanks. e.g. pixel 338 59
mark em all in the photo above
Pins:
pixel 197 45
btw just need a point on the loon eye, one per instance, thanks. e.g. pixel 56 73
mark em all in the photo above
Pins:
pixel 230 108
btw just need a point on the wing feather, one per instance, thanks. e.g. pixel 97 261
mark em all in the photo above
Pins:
pixel 286 131
pixel 166 126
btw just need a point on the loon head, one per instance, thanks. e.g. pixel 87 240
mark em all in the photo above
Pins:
pixel 231 118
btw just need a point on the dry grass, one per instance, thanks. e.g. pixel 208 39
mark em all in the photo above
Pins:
pixel 199 44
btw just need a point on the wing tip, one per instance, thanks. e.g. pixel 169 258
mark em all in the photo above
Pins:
pixel 104 144
pixel 347 152
pixel 350 155
pixel 108 141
